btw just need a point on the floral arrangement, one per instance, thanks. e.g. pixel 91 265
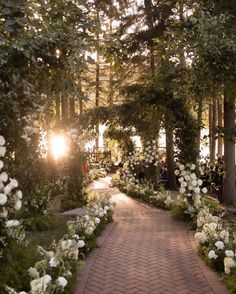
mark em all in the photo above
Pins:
pixel 217 242
pixel 189 200
pixel 51 273
pixel 10 202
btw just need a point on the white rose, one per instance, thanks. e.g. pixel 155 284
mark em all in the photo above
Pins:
pixel 61 281
pixel 193 176
pixel 3 177
pixel 1 164
pixel 181 167
pixel 18 204
pixel 192 166
pixel 12 223
pixel 219 245
pixel 194 183
pixel 2 141
pixel 97 220
pixel 53 262
pixel 197 190
pixel 19 194
pixel 81 244
pixel 3 199
pixel 7 189
pixel 14 183
pixel 204 190
pixel 2 151
pixel 199 181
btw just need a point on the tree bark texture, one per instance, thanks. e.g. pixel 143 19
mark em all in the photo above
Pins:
pixel 170 158
pixel 229 192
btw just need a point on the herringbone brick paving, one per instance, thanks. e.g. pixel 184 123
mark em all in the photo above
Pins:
pixel 145 251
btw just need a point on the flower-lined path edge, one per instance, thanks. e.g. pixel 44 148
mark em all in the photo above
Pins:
pixel 211 277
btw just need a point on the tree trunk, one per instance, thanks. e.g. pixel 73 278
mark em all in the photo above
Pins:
pixel 58 108
pixel 72 108
pixel 229 192
pixel 170 159
pixel 220 125
pixel 213 132
pixel 111 94
pixel 97 90
pixel 64 108
pixel 210 115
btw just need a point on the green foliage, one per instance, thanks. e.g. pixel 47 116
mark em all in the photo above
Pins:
pixel 230 281
pixel 13 271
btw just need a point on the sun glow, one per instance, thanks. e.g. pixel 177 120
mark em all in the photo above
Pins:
pixel 59 146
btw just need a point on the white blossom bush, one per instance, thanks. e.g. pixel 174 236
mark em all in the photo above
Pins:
pixel 215 241
pixel 190 199
pixel 10 202
pixel 51 273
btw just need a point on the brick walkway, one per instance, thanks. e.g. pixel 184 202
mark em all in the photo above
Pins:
pixel 145 251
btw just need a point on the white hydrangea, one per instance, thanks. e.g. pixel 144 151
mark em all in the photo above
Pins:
pixel 62 282
pixel 3 177
pixel 212 254
pixel 219 245
pixel 229 253
pixel 3 199
pixel 2 151
pixel 18 204
pixel 228 264
pixel 81 243
pixel 2 141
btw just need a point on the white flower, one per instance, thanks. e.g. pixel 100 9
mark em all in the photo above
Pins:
pixel 53 262
pixel 7 189
pixel 181 167
pixel 200 237
pixel 181 179
pixel 193 176
pixel 33 272
pixel 101 214
pixel 187 178
pixel 2 151
pixel 192 166
pixel 19 194
pixel 14 183
pixel 61 281
pixel 106 207
pixel 194 183
pixel 1 164
pixel 219 245
pixel 97 220
pixel 229 253
pixel 199 181
pixel 18 204
pixel 212 254
pixel 177 172
pixel 12 223
pixel 3 177
pixel 81 244
pixel 2 141
pixel 89 231
pixel 40 285
pixel 86 217
pixel 3 199
pixel 197 190
pixel 228 264
pixel 204 190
